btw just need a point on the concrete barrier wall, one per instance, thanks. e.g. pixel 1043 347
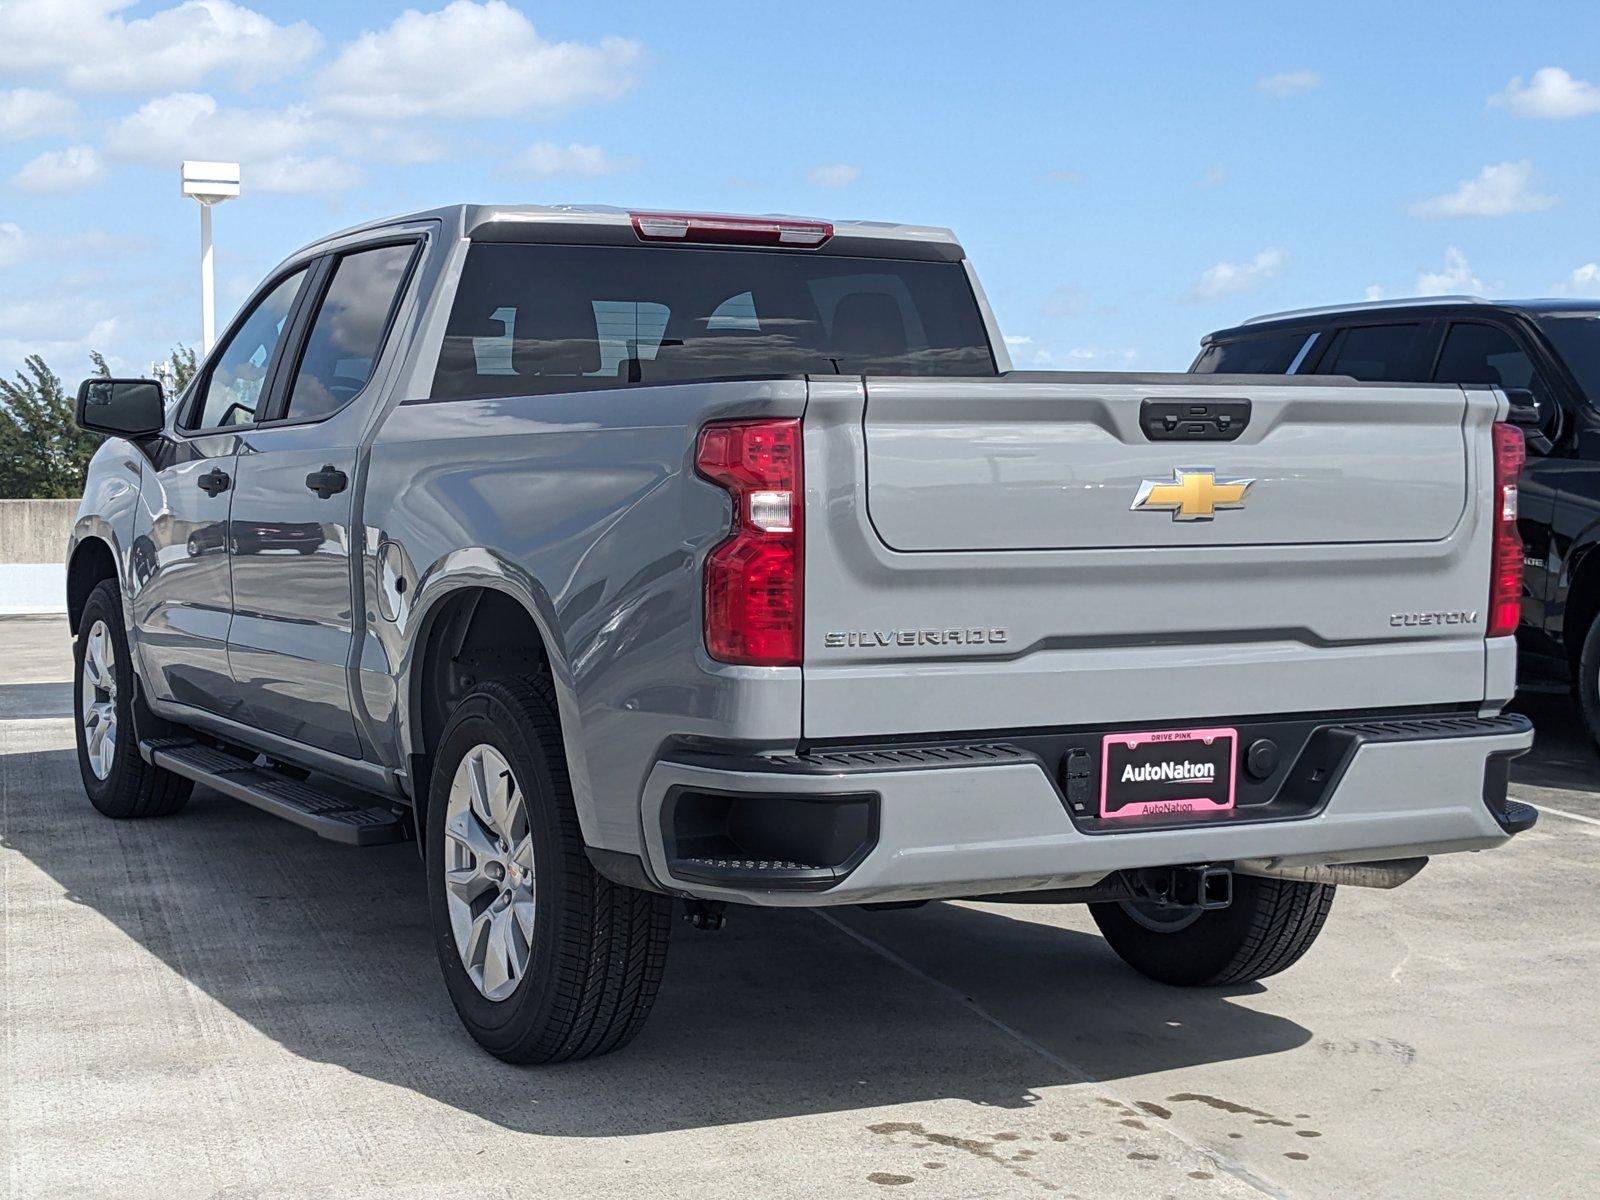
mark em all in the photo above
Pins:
pixel 35 531
pixel 33 548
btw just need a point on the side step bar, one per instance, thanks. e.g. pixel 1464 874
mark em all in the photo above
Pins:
pixel 337 817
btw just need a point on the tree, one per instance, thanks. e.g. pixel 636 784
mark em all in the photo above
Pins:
pixel 43 454
pixel 177 371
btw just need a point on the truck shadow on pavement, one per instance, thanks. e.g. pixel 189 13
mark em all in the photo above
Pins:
pixel 324 950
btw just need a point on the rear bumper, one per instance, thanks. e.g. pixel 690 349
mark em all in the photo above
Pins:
pixel 971 819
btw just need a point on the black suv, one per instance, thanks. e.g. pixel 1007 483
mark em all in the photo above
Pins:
pixel 1545 355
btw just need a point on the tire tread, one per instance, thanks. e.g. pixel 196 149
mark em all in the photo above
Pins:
pixel 1283 924
pixel 613 941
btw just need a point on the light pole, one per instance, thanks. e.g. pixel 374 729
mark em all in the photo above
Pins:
pixel 210 183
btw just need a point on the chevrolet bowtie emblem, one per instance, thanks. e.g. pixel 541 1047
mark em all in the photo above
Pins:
pixel 1192 494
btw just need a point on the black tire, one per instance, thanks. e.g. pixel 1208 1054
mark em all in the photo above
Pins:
pixel 1589 681
pixel 131 787
pixel 598 949
pixel 1266 929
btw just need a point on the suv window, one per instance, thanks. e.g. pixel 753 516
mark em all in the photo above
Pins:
pixel 1478 353
pixel 232 390
pixel 1378 353
pixel 549 318
pixel 348 330
pixel 1577 340
pixel 1271 354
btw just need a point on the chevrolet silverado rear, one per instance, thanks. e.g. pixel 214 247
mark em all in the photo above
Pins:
pixel 652 556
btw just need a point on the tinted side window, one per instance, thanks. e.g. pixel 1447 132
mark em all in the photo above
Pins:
pixel 1380 353
pixel 549 318
pixel 1476 353
pixel 348 331
pixel 1272 354
pixel 233 389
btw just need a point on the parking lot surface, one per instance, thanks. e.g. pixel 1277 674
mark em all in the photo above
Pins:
pixel 220 1005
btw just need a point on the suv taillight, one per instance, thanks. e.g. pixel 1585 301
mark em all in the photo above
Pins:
pixel 755 579
pixel 1505 573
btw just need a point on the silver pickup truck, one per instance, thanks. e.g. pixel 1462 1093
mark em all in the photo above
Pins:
pixel 620 557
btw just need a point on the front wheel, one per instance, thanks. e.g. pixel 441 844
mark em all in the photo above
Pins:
pixel 118 781
pixel 545 959
pixel 1269 925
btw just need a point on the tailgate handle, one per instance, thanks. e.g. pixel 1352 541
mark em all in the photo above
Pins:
pixel 1193 420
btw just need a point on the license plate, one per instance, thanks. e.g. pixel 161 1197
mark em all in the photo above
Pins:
pixel 1174 772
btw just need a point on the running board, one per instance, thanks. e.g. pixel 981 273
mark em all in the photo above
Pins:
pixel 340 817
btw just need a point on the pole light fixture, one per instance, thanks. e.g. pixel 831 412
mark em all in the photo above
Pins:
pixel 210 183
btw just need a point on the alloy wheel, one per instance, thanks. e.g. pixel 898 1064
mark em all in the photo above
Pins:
pixel 98 714
pixel 489 872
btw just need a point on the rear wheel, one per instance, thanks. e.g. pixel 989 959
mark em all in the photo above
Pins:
pixel 545 959
pixel 1269 925
pixel 118 781
pixel 1589 681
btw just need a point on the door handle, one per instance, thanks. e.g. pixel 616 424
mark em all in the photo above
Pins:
pixel 329 481
pixel 214 482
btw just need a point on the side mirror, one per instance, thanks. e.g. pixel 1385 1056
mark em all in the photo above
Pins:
pixel 1538 418
pixel 130 408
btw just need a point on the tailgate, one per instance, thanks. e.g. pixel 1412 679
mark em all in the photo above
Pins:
pixel 1036 466
pixel 1047 550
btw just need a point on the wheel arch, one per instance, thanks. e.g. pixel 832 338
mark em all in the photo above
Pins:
pixel 468 628
pixel 1581 603
pixel 91 561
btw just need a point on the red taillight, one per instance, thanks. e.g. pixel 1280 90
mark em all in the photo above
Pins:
pixel 734 231
pixel 1505 578
pixel 755 579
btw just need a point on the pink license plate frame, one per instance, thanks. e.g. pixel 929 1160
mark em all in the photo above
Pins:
pixel 1176 796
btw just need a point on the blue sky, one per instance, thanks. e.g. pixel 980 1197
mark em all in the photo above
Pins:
pixel 1126 177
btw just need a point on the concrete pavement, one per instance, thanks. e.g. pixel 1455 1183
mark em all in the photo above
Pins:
pixel 219 1004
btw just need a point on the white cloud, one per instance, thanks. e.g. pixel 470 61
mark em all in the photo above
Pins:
pixel 1498 190
pixel 1374 292
pixel 472 60
pixel 834 175
pixel 13 243
pixel 1290 83
pixel 1019 339
pixel 276 148
pixel 62 328
pixel 168 129
pixel 547 159
pixel 1584 281
pixel 29 112
pixel 1456 277
pixel 1064 300
pixel 1552 95
pixel 290 173
pixel 1233 279
pixel 96 50
pixel 69 170
pixel 1216 175
pixel 1083 357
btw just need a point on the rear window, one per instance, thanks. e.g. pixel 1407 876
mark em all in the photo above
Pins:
pixel 1376 353
pixel 1478 353
pixel 536 318
pixel 1270 354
